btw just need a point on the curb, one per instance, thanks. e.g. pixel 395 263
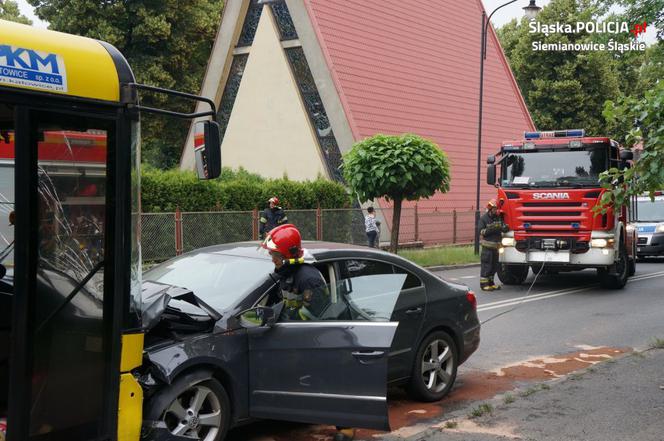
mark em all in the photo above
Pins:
pixel 451 267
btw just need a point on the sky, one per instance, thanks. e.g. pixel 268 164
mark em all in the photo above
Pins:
pixel 504 15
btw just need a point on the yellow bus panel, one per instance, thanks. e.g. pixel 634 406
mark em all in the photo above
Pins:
pixel 54 62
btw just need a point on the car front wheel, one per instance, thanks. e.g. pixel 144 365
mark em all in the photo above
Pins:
pixel 435 368
pixel 199 411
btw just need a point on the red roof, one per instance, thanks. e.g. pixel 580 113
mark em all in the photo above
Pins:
pixel 412 66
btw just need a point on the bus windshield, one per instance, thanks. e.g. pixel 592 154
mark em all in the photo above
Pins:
pixel 554 168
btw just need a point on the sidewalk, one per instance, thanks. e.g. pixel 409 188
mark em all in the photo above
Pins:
pixel 612 401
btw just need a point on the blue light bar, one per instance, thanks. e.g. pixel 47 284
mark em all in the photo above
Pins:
pixel 574 133
pixel 576 225
pixel 526 225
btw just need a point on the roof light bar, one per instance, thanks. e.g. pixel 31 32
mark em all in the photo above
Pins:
pixel 574 133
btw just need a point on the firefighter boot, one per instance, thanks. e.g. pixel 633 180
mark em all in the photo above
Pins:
pixel 494 286
pixel 486 284
pixel 344 434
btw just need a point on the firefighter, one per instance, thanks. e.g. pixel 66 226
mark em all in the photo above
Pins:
pixel 303 288
pixel 272 217
pixel 491 227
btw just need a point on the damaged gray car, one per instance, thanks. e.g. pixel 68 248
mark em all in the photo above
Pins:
pixel 218 355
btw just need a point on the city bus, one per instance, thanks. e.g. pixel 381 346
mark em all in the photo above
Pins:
pixel 70 285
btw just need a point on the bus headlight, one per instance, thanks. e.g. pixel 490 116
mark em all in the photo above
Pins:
pixel 508 242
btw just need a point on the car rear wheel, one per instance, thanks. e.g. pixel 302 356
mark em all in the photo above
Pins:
pixel 434 368
pixel 199 411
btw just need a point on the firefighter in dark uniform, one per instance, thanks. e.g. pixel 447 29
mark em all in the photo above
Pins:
pixel 491 227
pixel 272 217
pixel 302 287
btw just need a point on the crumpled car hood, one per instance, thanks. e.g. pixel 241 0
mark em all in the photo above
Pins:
pixel 156 299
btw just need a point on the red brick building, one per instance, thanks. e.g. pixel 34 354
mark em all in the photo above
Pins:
pixel 299 81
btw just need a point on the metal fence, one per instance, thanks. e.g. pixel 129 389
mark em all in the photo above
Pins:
pixel 164 235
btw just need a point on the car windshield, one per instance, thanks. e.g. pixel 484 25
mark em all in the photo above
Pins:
pixel 218 279
pixel 650 211
pixel 554 168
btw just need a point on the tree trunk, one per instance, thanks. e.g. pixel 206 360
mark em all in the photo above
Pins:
pixel 396 222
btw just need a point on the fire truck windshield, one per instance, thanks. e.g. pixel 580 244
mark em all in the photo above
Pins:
pixel 554 168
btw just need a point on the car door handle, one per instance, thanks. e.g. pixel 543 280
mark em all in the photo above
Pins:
pixel 368 354
pixel 414 311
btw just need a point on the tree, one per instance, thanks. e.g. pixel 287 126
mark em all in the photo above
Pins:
pixel 647 174
pixel 651 11
pixel 9 11
pixel 166 42
pixel 563 89
pixel 396 167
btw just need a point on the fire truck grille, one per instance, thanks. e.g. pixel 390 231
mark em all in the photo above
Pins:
pixel 552 204
pixel 552 213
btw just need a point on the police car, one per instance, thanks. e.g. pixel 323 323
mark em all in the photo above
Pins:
pixel 650 226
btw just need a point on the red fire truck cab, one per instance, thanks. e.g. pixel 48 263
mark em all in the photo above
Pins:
pixel 548 187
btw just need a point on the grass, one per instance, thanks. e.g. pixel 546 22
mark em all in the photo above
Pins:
pixel 508 399
pixel 533 389
pixel 480 410
pixel 451 424
pixel 657 343
pixel 450 255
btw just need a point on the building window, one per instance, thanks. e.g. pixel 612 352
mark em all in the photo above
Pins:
pixel 315 110
pixel 284 21
pixel 250 24
pixel 230 92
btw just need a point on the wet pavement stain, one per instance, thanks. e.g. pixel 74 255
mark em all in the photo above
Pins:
pixel 470 386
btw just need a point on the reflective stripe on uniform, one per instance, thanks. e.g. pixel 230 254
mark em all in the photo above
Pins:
pixel 489 244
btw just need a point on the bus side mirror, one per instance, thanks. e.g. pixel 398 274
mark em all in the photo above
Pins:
pixel 207 149
pixel 491 174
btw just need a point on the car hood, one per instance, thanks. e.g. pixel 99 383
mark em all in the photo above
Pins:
pixel 156 309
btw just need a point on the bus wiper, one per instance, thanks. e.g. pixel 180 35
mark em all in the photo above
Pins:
pixel 71 295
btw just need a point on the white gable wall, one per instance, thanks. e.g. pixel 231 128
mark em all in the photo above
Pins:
pixel 269 131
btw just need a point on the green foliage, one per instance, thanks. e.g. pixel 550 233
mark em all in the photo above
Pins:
pixel 167 43
pixel 164 191
pixel 651 11
pixel 647 174
pixel 563 89
pixel 9 11
pixel 396 167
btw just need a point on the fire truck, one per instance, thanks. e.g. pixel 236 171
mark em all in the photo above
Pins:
pixel 548 191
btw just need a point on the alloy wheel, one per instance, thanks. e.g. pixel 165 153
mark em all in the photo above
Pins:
pixel 195 414
pixel 437 366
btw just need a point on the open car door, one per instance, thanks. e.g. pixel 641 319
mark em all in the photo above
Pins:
pixel 328 372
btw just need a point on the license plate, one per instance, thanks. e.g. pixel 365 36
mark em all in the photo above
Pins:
pixel 541 256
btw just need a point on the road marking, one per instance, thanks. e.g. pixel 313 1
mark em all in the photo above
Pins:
pixel 468 277
pixel 557 293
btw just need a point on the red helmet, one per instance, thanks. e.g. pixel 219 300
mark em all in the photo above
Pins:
pixel 286 240
pixel 274 200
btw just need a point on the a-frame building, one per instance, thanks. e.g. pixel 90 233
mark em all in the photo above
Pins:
pixel 297 82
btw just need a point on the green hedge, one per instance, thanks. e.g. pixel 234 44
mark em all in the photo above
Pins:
pixel 164 191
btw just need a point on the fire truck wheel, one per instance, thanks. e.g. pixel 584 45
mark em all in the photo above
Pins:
pixel 632 266
pixel 616 280
pixel 513 274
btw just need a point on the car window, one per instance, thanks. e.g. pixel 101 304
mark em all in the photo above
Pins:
pixel 412 281
pixel 366 290
pixel 219 280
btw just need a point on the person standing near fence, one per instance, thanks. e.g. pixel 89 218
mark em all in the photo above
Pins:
pixel 371 227
pixel 272 217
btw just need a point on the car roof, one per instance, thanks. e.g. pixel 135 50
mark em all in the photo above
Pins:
pixel 313 249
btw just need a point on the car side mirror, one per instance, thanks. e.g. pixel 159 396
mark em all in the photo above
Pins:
pixel 207 149
pixel 260 316
pixel 626 155
pixel 491 174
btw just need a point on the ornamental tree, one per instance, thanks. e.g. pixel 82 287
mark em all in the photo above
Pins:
pixel 396 168
pixel 646 115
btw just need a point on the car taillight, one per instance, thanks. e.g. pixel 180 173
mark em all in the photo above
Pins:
pixel 470 296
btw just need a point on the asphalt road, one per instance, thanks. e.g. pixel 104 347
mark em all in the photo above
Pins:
pixel 537 333
pixel 564 313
